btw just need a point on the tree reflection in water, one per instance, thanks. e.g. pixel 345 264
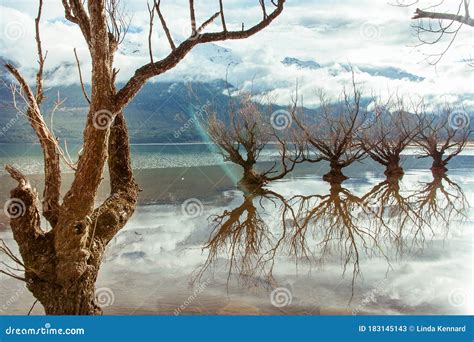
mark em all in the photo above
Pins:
pixel 247 240
pixel 384 222
pixel 338 223
pixel 441 200
pixel 396 213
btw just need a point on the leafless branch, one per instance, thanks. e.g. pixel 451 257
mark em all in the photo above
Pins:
pixel 178 53
pixel 49 145
pixel 80 77
pixel 41 58
pixel 334 133
pixel 164 25
pixel 438 28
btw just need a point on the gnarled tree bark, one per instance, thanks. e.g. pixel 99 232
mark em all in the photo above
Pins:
pixel 62 264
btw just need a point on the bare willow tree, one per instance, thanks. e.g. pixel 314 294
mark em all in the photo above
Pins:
pixel 247 133
pixel 333 134
pixel 61 264
pixel 435 27
pixel 389 136
pixel 442 136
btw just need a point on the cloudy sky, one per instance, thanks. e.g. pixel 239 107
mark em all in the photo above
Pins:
pixel 361 32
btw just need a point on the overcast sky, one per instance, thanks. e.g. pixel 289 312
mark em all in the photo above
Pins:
pixel 360 32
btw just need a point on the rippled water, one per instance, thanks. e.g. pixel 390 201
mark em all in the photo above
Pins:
pixel 147 156
pixel 28 157
pixel 414 257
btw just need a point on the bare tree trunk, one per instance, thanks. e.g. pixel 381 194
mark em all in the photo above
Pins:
pixel 439 165
pixel 251 180
pixel 70 290
pixel 393 167
pixel 335 175
pixel 78 299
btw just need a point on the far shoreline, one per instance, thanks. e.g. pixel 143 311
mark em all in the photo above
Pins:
pixel 469 144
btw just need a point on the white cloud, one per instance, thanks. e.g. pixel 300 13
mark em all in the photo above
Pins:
pixel 359 32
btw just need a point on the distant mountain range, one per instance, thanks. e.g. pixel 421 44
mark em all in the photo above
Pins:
pixel 162 112
pixel 336 69
pixel 301 64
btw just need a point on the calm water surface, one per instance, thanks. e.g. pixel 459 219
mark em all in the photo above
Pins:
pixel 199 245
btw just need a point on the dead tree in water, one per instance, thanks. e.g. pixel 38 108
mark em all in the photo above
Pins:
pixel 334 135
pixel 443 136
pixel 248 131
pixel 61 265
pixel 388 137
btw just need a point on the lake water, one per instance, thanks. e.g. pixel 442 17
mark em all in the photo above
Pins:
pixel 199 245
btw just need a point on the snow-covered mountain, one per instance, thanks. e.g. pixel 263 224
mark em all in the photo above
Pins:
pixel 389 72
pixel 203 53
pixel 336 69
pixel 300 64
pixel 215 54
